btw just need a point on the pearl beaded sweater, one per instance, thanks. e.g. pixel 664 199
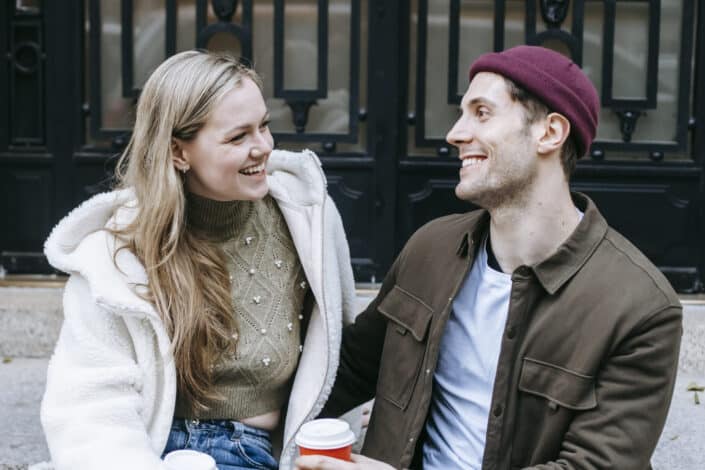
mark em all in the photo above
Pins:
pixel 268 290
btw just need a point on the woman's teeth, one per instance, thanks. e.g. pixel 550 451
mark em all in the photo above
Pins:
pixel 253 169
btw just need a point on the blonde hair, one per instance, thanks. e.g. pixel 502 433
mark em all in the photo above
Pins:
pixel 187 277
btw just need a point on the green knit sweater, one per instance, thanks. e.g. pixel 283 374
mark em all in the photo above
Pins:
pixel 268 290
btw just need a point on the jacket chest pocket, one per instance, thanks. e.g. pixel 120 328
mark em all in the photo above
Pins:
pixel 549 398
pixel 560 386
pixel 404 345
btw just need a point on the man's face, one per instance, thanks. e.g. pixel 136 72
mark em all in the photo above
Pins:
pixel 495 144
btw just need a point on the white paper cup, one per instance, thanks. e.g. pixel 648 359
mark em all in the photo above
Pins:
pixel 189 460
pixel 331 437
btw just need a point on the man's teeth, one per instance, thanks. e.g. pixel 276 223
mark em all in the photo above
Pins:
pixel 253 169
pixel 471 161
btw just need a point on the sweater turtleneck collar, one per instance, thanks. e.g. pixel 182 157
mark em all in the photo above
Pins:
pixel 217 220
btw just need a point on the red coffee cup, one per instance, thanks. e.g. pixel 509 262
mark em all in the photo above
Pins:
pixel 331 437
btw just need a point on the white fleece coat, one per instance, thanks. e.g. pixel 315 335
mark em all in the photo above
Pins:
pixel 111 383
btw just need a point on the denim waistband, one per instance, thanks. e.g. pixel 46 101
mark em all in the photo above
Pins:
pixel 236 428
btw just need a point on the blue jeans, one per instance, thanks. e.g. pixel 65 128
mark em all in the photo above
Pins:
pixel 233 445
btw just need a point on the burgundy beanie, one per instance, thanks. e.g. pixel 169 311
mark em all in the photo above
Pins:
pixel 552 78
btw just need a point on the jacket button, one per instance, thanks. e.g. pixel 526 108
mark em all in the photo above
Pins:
pixel 511 332
pixel 497 411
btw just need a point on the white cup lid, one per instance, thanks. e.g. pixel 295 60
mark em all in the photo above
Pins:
pixel 187 459
pixel 325 434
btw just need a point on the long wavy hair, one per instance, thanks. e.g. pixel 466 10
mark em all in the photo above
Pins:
pixel 188 281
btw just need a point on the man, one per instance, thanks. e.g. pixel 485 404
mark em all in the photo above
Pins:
pixel 527 334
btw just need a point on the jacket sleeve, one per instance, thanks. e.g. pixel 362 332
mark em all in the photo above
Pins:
pixel 360 354
pixel 91 407
pixel 633 390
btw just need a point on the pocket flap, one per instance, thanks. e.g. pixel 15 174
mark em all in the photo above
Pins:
pixel 565 387
pixel 407 310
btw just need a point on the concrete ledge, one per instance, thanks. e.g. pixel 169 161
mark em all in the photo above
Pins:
pixel 681 443
pixel 692 356
pixel 680 446
pixel 23 441
pixel 30 320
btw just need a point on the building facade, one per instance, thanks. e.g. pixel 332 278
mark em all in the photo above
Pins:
pixel 372 87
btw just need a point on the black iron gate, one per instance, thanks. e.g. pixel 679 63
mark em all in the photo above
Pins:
pixel 372 87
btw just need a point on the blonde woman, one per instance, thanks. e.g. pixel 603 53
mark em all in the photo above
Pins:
pixel 206 294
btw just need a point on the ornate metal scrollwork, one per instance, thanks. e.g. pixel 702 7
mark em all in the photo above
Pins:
pixel 224 9
pixel 554 11
pixel 299 110
pixel 26 57
pixel 656 156
pixel 627 121
pixel 597 155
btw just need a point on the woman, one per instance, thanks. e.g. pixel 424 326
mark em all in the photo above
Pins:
pixel 205 293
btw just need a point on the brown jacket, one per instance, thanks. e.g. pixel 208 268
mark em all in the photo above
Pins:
pixel 587 363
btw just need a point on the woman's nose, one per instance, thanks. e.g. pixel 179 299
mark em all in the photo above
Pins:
pixel 263 146
pixel 257 152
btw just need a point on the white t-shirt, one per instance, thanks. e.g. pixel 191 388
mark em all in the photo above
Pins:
pixel 467 364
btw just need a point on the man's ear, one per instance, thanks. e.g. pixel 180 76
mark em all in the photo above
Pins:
pixel 178 155
pixel 556 130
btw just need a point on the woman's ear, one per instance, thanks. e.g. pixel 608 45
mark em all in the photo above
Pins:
pixel 556 131
pixel 178 155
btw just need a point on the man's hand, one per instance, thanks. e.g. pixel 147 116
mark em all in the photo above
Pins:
pixel 320 462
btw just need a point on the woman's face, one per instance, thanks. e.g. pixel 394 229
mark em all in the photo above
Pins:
pixel 227 157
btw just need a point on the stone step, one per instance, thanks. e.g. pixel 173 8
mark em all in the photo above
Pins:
pixel 30 319
pixel 23 379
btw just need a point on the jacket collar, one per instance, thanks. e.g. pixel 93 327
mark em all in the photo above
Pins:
pixel 296 177
pixel 479 221
pixel 570 256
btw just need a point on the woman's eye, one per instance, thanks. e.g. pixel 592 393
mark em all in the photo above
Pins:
pixel 265 124
pixel 237 137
